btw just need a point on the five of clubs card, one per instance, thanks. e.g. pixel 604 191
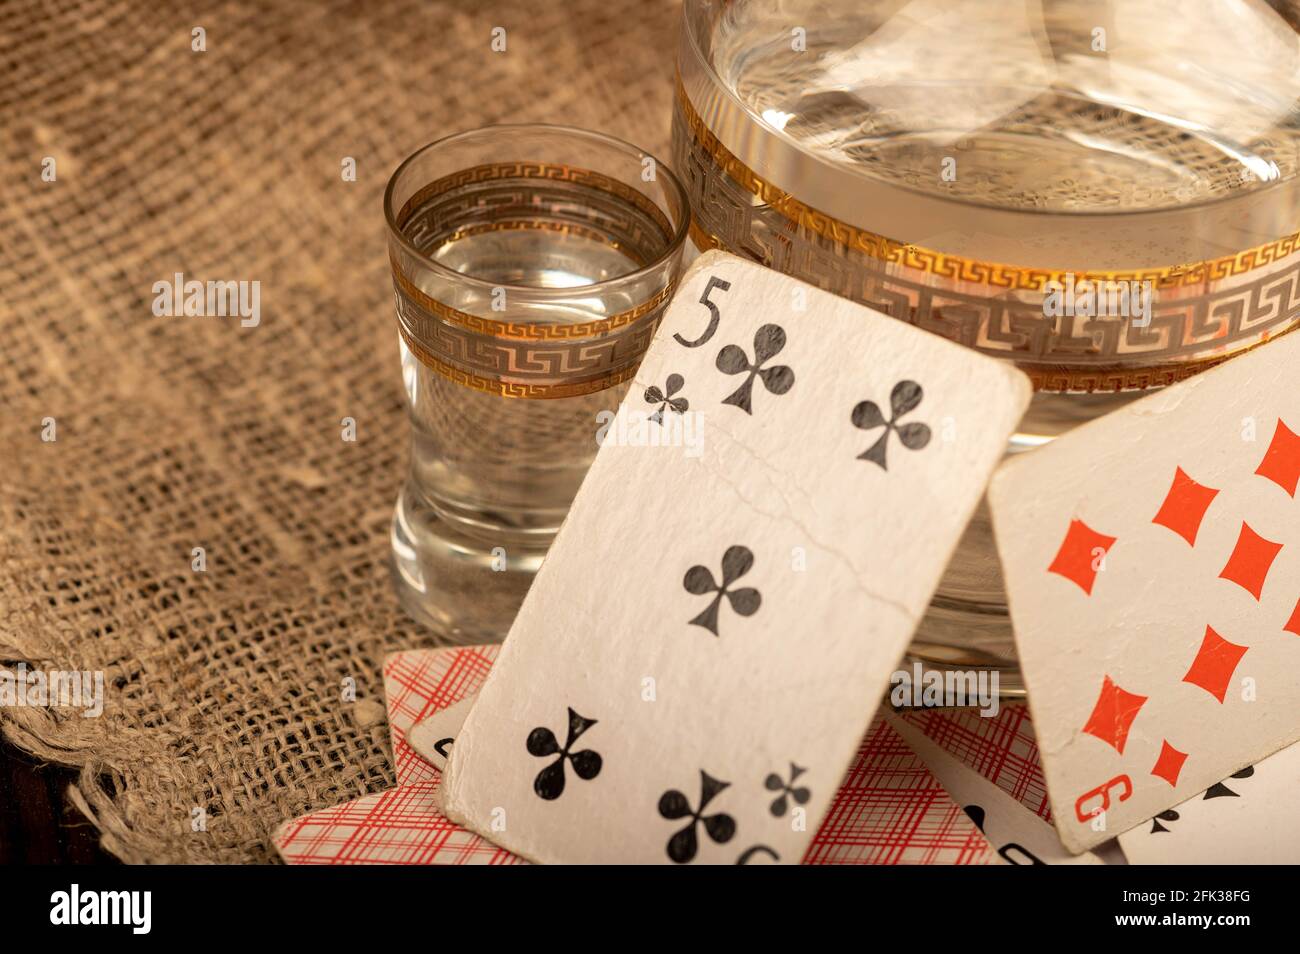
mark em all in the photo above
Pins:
pixel 705 644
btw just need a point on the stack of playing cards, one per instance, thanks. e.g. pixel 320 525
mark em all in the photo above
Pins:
pixel 695 673
pixel 977 795
pixel 889 808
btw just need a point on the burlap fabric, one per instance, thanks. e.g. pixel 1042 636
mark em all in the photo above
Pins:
pixel 225 687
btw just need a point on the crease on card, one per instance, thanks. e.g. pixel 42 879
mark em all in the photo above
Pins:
pixel 910 617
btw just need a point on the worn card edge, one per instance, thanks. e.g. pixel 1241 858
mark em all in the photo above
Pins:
pixel 1000 493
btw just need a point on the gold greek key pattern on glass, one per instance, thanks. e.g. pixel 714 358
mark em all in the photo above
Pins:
pixel 1132 379
pixel 994 309
pixel 522 368
pixel 525 330
pixel 514 389
pixel 955 267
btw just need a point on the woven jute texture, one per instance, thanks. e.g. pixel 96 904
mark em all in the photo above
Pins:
pixel 224 688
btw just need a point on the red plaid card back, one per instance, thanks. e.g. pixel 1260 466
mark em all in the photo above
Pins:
pixel 402 826
pixel 1001 747
pixel 889 809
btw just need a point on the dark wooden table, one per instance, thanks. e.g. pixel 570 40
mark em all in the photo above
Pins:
pixel 37 824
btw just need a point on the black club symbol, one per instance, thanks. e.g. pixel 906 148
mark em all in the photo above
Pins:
pixel 549 783
pixel 774 783
pixel 768 342
pixel 665 398
pixel 736 562
pixel 903 399
pixel 720 827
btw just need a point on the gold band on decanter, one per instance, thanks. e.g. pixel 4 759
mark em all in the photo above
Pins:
pixel 1201 312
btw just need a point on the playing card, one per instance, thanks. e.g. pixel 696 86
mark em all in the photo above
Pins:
pixel 890 810
pixel 1152 560
pixel 1251 817
pixel 1001 747
pixel 402 825
pixel 432 738
pixel 399 826
pixel 700 654
pixel 424 684
pixel 1017 835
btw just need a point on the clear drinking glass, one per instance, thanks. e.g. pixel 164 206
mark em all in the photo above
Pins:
pixel 950 162
pixel 531 265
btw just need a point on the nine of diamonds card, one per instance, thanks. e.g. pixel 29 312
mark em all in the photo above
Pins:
pixel 697 660
pixel 1152 560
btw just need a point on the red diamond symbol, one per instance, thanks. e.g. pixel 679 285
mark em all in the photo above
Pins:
pixel 1113 715
pixel 1185 506
pixel 1214 664
pixel 1293 624
pixel 1169 764
pixel 1281 463
pixel 1079 556
pixel 1250 561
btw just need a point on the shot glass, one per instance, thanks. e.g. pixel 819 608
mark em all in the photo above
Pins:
pixel 531 265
